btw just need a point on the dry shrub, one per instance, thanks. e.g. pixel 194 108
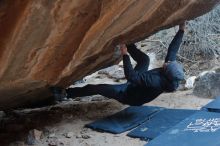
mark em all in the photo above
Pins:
pixel 201 42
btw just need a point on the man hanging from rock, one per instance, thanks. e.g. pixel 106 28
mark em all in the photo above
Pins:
pixel 142 85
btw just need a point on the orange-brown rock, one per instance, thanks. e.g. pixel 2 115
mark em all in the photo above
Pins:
pixel 56 42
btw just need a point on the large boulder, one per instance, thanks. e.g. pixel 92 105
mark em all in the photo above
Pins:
pixel 207 85
pixel 56 42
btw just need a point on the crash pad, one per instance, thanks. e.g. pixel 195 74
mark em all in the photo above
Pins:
pixel 159 123
pixel 124 120
pixel 199 129
pixel 213 106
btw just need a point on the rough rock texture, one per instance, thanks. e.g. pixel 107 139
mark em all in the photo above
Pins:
pixel 208 85
pixel 56 42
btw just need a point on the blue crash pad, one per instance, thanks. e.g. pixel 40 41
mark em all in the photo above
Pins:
pixel 125 119
pixel 200 129
pixel 213 106
pixel 160 122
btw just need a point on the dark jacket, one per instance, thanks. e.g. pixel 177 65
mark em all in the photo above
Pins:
pixel 146 86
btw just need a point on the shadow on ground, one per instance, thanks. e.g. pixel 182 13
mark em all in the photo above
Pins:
pixel 15 125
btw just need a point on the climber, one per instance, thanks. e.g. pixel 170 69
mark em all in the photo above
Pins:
pixel 142 85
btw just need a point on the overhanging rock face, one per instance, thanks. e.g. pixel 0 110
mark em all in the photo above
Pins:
pixel 56 42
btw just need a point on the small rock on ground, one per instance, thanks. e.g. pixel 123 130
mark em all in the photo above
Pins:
pixel 69 134
pixel 34 137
